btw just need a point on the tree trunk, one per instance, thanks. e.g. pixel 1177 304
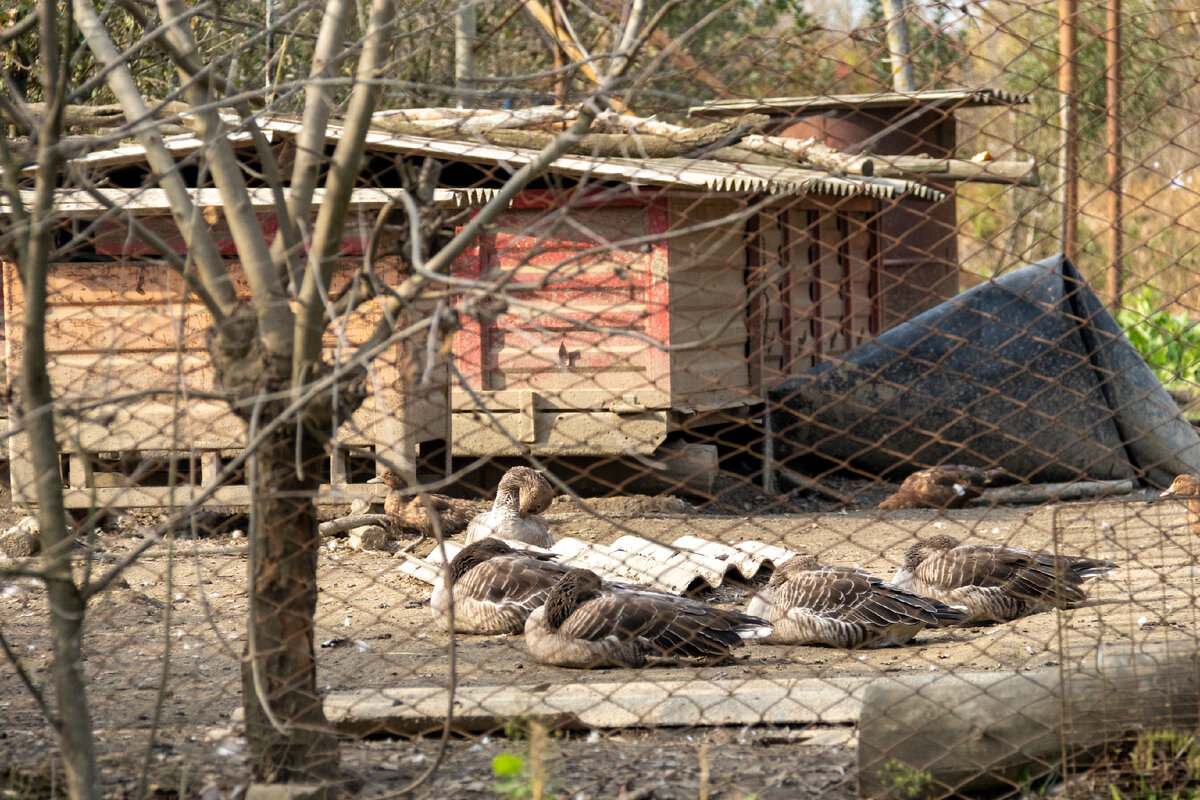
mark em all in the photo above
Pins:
pixel 284 598
pixel 290 740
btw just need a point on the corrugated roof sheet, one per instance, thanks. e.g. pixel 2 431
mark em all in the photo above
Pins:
pixel 149 201
pixel 776 106
pixel 688 565
pixel 681 173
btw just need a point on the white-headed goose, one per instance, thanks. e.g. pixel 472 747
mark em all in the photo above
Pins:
pixel 586 623
pixel 843 607
pixel 947 486
pixel 995 583
pixel 521 497
pixel 494 587
pixel 410 514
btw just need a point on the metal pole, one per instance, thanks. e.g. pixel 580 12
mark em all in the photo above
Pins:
pixel 464 52
pixel 1068 88
pixel 1112 135
pixel 897 40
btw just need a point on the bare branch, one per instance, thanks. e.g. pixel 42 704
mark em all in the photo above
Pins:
pixel 269 299
pixel 209 264
pixel 342 175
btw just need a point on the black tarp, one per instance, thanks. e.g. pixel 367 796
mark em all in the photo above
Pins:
pixel 1028 372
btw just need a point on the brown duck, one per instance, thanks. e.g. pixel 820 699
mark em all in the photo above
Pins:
pixel 947 486
pixel 1187 486
pixel 995 583
pixel 494 587
pixel 410 514
pixel 521 497
pixel 843 607
pixel 586 623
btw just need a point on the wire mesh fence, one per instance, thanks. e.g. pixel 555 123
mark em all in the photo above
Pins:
pixel 731 422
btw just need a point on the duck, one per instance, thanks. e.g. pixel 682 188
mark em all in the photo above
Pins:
pixel 411 515
pixel 845 607
pixel 494 587
pixel 586 623
pixel 995 583
pixel 1187 486
pixel 947 486
pixel 521 497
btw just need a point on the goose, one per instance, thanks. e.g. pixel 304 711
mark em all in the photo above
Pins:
pixel 995 583
pixel 1187 486
pixel 494 587
pixel 586 623
pixel 947 486
pixel 410 514
pixel 843 607
pixel 521 497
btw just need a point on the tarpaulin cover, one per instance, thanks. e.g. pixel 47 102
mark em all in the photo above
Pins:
pixel 1028 372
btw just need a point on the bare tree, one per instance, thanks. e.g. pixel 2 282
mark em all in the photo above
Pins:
pixel 267 351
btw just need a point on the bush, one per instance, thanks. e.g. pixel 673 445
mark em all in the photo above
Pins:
pixel 1170 343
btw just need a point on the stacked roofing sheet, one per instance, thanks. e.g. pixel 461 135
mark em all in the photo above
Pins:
pixel 688 565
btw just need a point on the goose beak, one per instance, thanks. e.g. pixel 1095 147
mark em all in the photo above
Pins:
pixel 376 479
pixel 1168 492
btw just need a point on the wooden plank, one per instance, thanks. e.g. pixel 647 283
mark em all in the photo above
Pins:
pixel 235 496
pixel 559 433
pixel 970 732
pixel 602 705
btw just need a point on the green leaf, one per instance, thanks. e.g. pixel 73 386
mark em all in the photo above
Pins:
pixel 507 764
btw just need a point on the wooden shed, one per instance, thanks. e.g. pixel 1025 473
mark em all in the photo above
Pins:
pixel 919 240
pixel 641 297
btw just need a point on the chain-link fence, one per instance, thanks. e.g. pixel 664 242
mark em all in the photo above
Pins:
pixel 824 407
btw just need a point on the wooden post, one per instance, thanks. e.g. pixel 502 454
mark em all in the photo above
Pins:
pixel 1068 88
pixel 967 732
pixel 1112 135
pixel 464 52
pixel 897 40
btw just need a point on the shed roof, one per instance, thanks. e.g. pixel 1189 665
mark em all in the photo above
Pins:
pixel 679 173
pixel 790 106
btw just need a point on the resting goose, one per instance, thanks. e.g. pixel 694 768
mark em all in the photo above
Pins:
pixel 843 607
pixel 494 587
pixel 1187 486
pixel 586 623
pixel 995 583
pixel 411 515
pixel 521 497
pixel 947 486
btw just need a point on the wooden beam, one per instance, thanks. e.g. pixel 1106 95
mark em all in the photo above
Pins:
pixel 542 17
pixel 607 704
pixel 1049 492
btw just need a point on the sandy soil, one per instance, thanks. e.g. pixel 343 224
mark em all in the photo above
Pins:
pixel 377 630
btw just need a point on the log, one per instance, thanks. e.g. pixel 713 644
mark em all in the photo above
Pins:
pixel 812 151
pixel 350 523
pixel 1021 173
pixel 969 732
pixel 638 145
pixel 1049 492
pixel 103 116
pixel 478 123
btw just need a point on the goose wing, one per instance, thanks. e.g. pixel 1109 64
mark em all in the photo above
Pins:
pixel 1016 571
pixel 856 597
pixel 665 624
pixel 520 582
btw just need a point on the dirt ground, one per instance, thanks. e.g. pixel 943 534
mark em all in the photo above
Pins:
pixel 375 631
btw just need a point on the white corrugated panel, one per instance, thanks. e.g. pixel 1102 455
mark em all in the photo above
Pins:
pixel 747 564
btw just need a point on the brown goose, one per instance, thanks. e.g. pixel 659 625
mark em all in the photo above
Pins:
pixel 947 486
pixel 586 623
pixel 521 497
pixel 494 587
pixel 1187 486
pixel 994 582
pixel 843 607
pixel 410 515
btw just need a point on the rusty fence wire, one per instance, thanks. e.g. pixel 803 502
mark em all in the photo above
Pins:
pixel 821 424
